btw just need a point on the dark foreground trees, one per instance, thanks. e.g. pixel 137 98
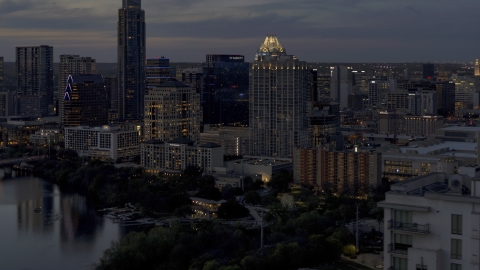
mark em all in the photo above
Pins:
pixel 232 209
pixel 213 246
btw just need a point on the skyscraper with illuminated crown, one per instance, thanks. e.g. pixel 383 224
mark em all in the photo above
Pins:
pixel 278 95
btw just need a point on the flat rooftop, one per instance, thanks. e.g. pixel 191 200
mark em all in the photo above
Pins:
pixel 434 182
pixel 262 161
pixel 461 128
pixel 426 147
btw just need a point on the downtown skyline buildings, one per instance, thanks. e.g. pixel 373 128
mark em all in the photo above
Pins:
pixel 34 70
pixel 71 64
pixel 278 98
pixel 131 54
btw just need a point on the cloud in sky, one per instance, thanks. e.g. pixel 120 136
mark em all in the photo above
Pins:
pixel 186 30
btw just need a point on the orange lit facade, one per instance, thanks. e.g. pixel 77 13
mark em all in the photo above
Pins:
pixel 337 171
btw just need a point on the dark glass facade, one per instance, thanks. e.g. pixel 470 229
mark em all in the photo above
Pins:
pixel 428 71
pixel 445 98
pixel 34 67
pixel 157 72
pixel 225 90
pixel 131 60
pixel 1 74
pixel 85 101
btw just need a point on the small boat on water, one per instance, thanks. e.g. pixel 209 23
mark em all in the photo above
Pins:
pixel 37 210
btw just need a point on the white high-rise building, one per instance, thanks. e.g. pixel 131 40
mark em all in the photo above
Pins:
pixel 278 92
pixel 172 110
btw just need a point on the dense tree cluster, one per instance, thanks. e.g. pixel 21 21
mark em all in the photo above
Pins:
pixel 108 186
pixel 280 181
pixel 214 246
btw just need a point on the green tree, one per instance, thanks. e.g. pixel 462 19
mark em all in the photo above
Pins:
pixel 280 180
pixel 210 193
pixel 232 209
pixel 211 265
pixel 252 197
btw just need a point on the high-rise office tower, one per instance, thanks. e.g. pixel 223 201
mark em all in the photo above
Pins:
pixel 172 110
pixel 85 101
pixel 477 67
pixel 422 103
pixel 71 64
pixel 406 74
pixel 6 104
pixel 131 60
pixel 225 89
pixel 340 86
pixel 34 67
pixel 278 95
pixel 428 71
pixel 157 72
pixel 313 84
pixel 323 86
pixel 445 98
pixel 377 91
pixel 193 77
pixel 324 121
pixel 111 86
pixel 1 74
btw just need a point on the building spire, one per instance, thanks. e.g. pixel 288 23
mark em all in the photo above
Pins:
pixel 270 47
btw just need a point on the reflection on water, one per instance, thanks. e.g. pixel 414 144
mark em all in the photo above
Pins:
pixel 66 233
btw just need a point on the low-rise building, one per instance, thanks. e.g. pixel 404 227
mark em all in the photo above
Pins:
pixel 422 125
pixel 422 157
pixel 234 140
pixel 259 167
pixel 204 208
pixel 103 142
pixel 45 136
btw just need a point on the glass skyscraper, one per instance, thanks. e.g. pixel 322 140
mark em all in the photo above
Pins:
pixel 225 90
pixel 131 60
pixel 34 66
pixel 72 65
pixel 85 101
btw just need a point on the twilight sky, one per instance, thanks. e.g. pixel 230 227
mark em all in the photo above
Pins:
pixel 313 30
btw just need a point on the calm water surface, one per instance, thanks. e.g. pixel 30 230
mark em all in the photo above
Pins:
pixel 67 234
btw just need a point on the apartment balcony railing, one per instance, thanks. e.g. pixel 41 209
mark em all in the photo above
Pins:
pixel 409 227
pixel 396 248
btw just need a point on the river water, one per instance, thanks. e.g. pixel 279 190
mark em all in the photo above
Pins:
pixel 67 234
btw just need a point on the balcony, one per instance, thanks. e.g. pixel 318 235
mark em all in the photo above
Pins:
pixel 396 248
pixel 409 227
